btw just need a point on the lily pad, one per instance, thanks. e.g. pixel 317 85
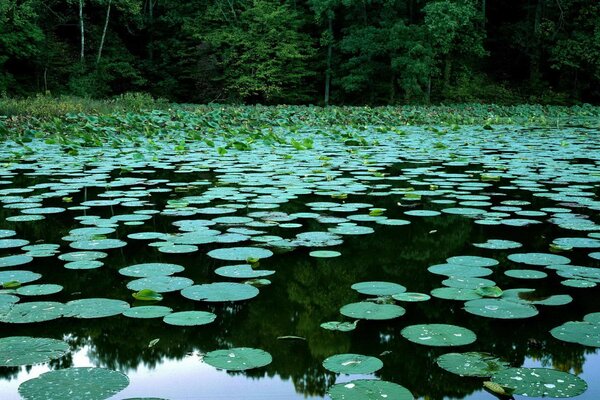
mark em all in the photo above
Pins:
pixel 369 389
pixel 540 382
pixel 23 350
pixel 439 335
pixel 339 326
pixel 500 308
pixel 243 271
pixel 145 312
pixel 39 290
pixel 35 311
pixel 375 288
pixel 150 269
pixel 74 384
pixel 238 359
pixel 540 259
pixel 240 253
pixel 352 364
pixel 584 333
pixel 472 364
pixel 220 291
pixel 411 297
pixel 373 311
pixel 190 318
pixel 160 284
pixel 95 308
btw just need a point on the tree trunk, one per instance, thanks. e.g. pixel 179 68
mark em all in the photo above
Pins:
pixel 393 88
pixel 329 55
pixel 82 53
pixel 447 71
pixel 536 51
pixel 104 32
pixel 483 11
pixel 151 29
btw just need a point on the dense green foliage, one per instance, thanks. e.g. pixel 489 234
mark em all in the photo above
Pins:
pixel 314 51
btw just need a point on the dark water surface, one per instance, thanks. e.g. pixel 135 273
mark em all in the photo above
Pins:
pixel 306 291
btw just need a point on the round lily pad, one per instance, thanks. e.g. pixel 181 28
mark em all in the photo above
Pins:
pixel 238 359
pixel 82 255
pixel 339 326
pixel 12 261
pixel 160 284
pixel 145 312
pixel 150 269
pixel 240 253
pixel 324 253
pixel 525 274
pixel 243 271
pixel 472 364
pixel 498 244
pixel 84 264
pixel 35 311
pixel 540 382
pixel 369 389
pixel 18 276
pixel 578 283
pixel 472 261
pixel 39 290
pixel 463 271
pixel 374 311
pixel 467 282
pixel 74 384
pixel 439 335
pixel 585 333
pixel 540 259
pixel 220 291
pixel 23 350
pixel 375 288
pixel 411 297
pixel 593 318
pixel 102 244
pixel 451 293
pixel 190 318
pixel 95 308
pixel 352 364
pixel 422 213
pixel 500 308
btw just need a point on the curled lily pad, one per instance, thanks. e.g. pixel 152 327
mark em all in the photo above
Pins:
pixel 339 326
pixel 23 350
pixel 374 311
pixel 369 389
pixel 74 383
pixel 238 359
pixel 190 318
pixel 376 288
pixel 472 364
pixel 147 295
pixel 220 291
pixel 439 335
pixel 352 364
pixel 540 382
pixel 500 308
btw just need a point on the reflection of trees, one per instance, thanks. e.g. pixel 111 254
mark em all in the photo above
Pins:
pixel 306 292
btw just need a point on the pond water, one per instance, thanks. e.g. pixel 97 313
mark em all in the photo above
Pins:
pixel 495 233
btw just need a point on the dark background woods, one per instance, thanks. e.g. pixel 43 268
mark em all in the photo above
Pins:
pixel 304 51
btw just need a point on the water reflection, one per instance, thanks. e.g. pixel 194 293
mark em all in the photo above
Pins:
pixel 304 293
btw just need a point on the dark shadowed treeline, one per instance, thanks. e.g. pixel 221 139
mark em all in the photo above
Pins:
pixel 304 51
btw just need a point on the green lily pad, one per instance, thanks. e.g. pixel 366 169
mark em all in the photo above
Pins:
pixel 39 290
pixel 95 308
pixel 530 296
pixel 147 295
pixel 375 288
pixel 18 276
pixel 243 271
pixel 147 270
pixel 35 311
pixel 467 282
pixel 593 318
pixel 525 274
pixel 23 350
pixel 238 359
pixel 190 318
pixel 324 253
pixel 240 253
pixel 82 255
pixel 352 364
pixel 373 311
pixel 472 364
pixel 411 297
pixel 369 389
pixel 498 244
pixel 102 244
pixel 472 261
pixel 578 283
pixel 13 261
pixel 87 264
pixel 339 326
pixel 220 291
pixel 540 259
pixel 540 382
pixel 451 293
pixel 160 284
pixel 439 335
pixel 584 333
pixel 463 271
pixel 500 308
pixel 145 312
pixel 74 384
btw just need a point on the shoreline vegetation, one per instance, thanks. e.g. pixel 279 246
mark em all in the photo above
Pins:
pixel 46 113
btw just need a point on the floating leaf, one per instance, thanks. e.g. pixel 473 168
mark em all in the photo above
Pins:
pixel 23 350
pixel 439 335
pixel 540 382
pixel 352 364
pixel 238 359
pixel 367 389
pixel 471 364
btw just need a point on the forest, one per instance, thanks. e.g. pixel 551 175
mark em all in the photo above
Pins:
pixel 342 52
